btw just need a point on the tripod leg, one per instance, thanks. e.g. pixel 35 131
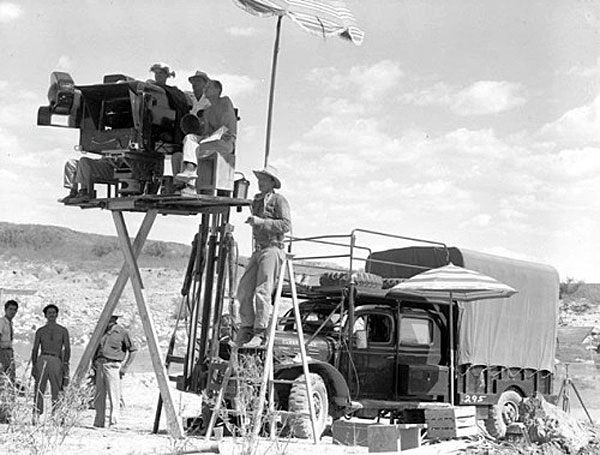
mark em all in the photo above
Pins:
pixel 581 402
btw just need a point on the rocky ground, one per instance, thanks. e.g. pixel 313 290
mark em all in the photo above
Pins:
pixel 80 291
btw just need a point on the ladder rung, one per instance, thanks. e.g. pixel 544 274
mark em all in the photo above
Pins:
pixel 291 413
pixel 284 381
pixel 175 359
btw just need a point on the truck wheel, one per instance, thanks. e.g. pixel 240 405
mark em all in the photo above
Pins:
pixel 298 402
pixel 340 279
pixel 502 414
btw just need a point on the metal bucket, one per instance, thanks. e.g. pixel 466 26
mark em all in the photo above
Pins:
pixel 240 187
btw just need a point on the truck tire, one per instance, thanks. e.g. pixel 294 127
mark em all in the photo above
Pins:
pixel 502 414
pixel 340 279
pixel 300 426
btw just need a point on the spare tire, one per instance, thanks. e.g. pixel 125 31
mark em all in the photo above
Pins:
pixel 502 414
pixel 361 279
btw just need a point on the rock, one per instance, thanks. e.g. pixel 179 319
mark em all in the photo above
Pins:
pixel 547 424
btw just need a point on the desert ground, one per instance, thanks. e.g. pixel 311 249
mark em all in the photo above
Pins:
pixel 80 291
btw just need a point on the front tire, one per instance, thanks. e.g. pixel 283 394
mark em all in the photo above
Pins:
pixel 301 426
pixel 504 413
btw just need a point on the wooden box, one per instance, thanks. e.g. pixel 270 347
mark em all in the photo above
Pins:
pixel 350 432
pixel 394 437
pixel 448 423
pixel 215 172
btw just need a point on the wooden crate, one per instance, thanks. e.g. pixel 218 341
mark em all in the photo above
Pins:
pixel 448 423
pixel 350 432
pixel 394 437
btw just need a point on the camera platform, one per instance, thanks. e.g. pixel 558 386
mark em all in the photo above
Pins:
pixel 165 204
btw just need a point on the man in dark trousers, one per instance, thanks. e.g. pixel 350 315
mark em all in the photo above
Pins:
pixel 270 220
pixel 115 353
pixel 7 356
pixel 50 357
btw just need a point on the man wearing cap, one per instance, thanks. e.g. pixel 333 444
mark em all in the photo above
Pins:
pixel 178 101
pixel 219 119
pixel 270 220
pixel 115 353
pixel 197 96
pixel 50 357
pixel 199 103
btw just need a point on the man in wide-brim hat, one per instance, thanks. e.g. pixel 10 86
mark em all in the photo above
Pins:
pixel 270 220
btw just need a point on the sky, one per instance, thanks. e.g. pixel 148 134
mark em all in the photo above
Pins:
pixel 472 123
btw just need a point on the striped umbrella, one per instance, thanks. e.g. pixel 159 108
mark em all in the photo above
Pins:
pixel 465 285
pixel 452 282
pixel 321 17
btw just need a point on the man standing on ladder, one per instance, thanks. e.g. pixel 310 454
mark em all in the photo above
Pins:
pixel 270 220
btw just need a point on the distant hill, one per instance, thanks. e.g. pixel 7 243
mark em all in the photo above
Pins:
pixel 31 242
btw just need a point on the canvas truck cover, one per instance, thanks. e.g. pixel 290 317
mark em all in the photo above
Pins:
pixel 518 332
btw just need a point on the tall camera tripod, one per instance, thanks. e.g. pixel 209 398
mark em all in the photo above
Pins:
pixel 564 394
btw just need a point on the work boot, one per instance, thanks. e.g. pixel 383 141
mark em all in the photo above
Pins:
pixel 82 196
pixel 243 336
pixel 189 191
pixel 187 175
pixel 71 195
pixel 257 341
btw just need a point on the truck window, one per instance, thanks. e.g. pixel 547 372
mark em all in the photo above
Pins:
pixel 373 329
pixel 416 331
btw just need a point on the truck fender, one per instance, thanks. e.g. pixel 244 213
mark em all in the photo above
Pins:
pixel 337 387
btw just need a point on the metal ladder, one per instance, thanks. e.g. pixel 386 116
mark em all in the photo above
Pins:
pixel 267 383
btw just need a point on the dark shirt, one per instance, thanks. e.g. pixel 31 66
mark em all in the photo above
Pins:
pixel 115 343
pixel 277 219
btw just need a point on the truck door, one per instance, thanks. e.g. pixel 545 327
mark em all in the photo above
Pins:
pixel 371 371
pixel 422 373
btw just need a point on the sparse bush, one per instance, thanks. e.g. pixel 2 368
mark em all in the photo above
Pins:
pixel 156 249
pixel 569 287
pixel 103 248
pixel 24 435
pixel 245 423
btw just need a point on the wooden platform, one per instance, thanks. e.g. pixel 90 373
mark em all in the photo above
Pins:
pixel 165 204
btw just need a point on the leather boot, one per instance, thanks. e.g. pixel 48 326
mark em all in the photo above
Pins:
pixel 243 336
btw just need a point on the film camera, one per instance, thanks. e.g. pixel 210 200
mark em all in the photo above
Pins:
pixel 124 120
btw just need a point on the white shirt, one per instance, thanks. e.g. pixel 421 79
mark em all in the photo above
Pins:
pixel 198 104
pixel 5 333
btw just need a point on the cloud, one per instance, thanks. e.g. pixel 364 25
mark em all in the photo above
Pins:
pixel 65 63
pixel 479 98
pixel 241 31
pixel 585 71
pixel 368 82
pixel 9 12
pixel 578 126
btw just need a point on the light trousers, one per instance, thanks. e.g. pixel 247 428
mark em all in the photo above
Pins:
pixel 256 287
pixel 108 384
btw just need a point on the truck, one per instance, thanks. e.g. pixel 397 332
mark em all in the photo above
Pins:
pixel 373 353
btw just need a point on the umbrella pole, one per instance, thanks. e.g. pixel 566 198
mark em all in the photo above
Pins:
pixel 451 323
pixel 272 89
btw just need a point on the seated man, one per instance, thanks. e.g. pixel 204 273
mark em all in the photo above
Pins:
pixel 178 100
pixel 199 103
pixel 220 120
pixel 79 176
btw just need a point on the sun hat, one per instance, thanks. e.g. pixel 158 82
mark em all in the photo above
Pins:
pixel 199 75
pixel 271 171
pixel 162 67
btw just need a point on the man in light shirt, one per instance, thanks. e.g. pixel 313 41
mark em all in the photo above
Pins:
pixel 7 358
pixel 270 220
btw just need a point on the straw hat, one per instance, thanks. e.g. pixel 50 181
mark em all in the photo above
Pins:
pixel 271 171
